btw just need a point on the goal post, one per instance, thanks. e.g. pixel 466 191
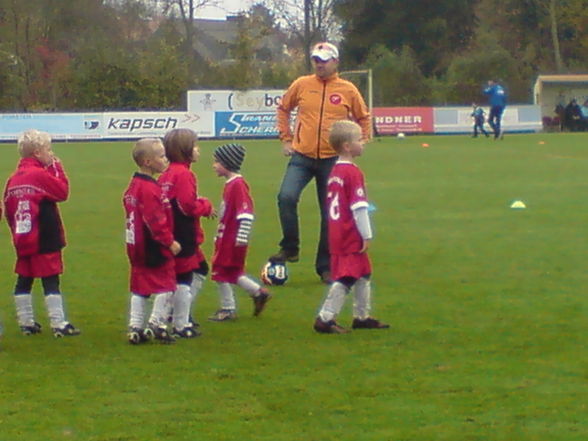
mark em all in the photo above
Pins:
pixel 363 81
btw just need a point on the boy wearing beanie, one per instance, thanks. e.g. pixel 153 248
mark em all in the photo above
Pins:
pixel 232 238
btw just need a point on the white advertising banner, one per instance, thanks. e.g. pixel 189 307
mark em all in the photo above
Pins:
pixel 145 124
pixel 265 100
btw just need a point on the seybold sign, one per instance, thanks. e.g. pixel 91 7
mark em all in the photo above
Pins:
pixel 234 100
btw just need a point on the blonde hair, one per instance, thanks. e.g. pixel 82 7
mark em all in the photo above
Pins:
pixel 32 140
pixel 143 148
pixel 342 132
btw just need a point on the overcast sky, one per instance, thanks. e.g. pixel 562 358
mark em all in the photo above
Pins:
pixel 227 7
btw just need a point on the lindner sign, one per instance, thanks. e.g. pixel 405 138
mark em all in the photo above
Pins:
pixel 392 120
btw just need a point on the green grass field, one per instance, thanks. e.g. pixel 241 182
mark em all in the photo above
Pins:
pixel 487 304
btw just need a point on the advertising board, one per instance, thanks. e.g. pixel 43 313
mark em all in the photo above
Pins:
pixel 234 100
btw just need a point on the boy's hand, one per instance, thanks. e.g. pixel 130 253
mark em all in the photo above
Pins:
pixel 175 248
pixel 366 244
pixel 213 214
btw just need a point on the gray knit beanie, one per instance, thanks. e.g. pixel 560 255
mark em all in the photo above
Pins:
pixel 231 156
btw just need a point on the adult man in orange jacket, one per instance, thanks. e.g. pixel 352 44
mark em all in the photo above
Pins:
pixel 321 98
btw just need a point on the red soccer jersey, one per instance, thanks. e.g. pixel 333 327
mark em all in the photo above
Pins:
pixel 148 222
pixel 235 206
pixel 180 186
pixel 30 200
pixel 345 192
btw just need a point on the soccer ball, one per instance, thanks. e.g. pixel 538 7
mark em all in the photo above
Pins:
pixel 400 135
pixel 274 273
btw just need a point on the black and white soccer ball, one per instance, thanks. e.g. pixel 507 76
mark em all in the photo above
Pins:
pixel 274 273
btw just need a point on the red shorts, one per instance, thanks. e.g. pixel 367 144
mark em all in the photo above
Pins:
pixel 147 280
pixel 228 274
pixel 350 265
pixel 39 265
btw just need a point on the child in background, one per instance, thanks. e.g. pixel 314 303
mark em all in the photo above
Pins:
pixel 232 237
pixel 180 186
pixel 479 116
pixel 150 244
pixel 30 199
pixel 349 235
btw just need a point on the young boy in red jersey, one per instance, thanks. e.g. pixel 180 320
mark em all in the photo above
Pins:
pixel 232 237
pixel 349 235
pixel 180 186
pixel 150 244
pixel 30 199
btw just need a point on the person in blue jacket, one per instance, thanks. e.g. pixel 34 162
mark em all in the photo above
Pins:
pixel 497 98
pixel 478 114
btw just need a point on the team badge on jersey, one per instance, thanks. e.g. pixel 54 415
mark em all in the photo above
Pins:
pixel 335 98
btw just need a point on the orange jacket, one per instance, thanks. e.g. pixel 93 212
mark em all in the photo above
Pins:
pixel 320 103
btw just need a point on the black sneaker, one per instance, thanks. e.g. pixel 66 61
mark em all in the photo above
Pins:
pixel 186 332
pixel 154 332
pixel 330 327
pixel 35 328
pixel 136 336
pixel 284 256
pixel 260 300
pixel 368 323
pixel 68 330
pixel 223 315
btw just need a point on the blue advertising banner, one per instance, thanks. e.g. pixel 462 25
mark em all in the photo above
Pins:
pixel 58 125
pixel 245 124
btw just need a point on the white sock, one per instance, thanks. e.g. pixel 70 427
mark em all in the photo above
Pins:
pixel 362 300
pixel 226 296
pixel 249 285
pixel 54 303
pixel 24 309
pixel 160 311
pixel 137 311
pixel 334 302
pixel 196 287
pixel 181 301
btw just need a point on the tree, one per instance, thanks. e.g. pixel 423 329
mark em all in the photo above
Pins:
pixel 435 30
pixel 398 80
pixel 308 21
pixel 186 11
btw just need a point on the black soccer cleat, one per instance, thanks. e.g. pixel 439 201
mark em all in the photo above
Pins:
pixel 260 300
pixel 35 328
pixel 154 332
pixel 186 332
pixel 330 327
pixel 368 323
pixel 68 330
pixel 136 336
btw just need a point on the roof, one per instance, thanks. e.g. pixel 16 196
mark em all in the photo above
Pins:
pixel 562 78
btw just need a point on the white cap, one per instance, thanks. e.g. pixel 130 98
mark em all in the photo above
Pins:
pixel 325 51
